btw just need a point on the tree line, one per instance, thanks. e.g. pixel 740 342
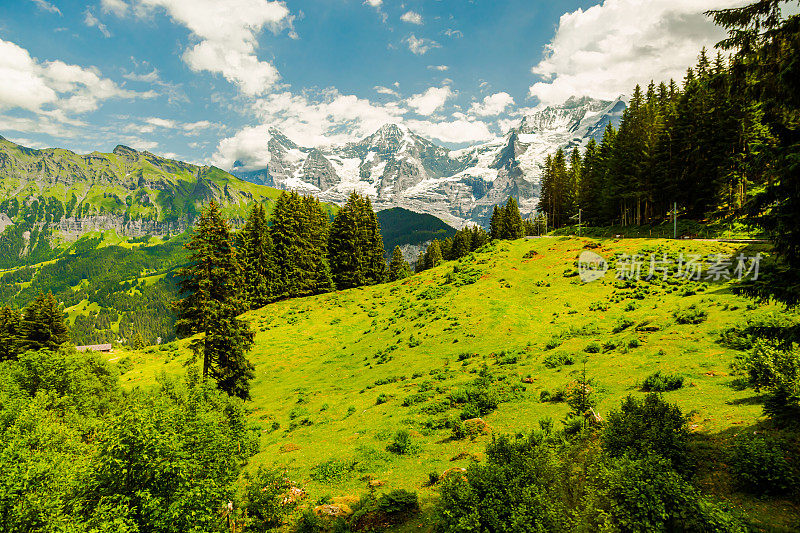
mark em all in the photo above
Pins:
pixel 506 223
pixel 301 253
pixel 699 145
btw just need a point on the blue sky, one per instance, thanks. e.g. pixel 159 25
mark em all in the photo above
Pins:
pixel 203 80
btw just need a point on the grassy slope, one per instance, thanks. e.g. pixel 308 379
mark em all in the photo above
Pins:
pixel 316 358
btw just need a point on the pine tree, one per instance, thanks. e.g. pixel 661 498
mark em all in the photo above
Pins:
pixel 433 257
pixel 398 267
pixel 479 238
pixel 496 224
pixel 42 326
pixel 512 221
pixel 10 324
pixel 355 248
pixel 299 235
pixel 258 259
pixel 212 285
pixel 462 244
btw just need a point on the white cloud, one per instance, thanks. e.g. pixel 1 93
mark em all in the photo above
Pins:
pixel 457 131
pixel 228 36
pixel 440 68
pixel 454 34
pixel 430 101
pixel 492 105
pixel 161 122
pixel 309 120
pixel 46 6
pixel 53 88
pixel 92 21
pixel 373 3
pixel 117 7
pixel 412 17
pixel 607 49
pixel 420 46
pixel 380 89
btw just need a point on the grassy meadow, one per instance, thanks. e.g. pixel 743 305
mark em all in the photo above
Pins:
pixel 338 375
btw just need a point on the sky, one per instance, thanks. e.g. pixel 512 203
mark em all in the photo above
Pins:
pixel 204 80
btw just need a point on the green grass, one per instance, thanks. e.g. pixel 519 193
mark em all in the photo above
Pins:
pixel 322 362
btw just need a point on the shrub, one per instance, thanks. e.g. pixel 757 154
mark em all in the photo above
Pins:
pixel 647 426
pixel 659 382
pixel 646 494
pixel 518 487
pixel 391 508
pixel 555 360
pixel 401 444
pixel 773 367
pixel 264 493
pixel 621 325
pixel 382 398
pixel 759 465
pixel 592 348
pixel 690 315
pixel 332 470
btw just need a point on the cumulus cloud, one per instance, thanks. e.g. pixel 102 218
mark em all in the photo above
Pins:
pixel 309 120
pixel 227 35
pixel 607 49
pixel 420 46
pixel 412 17
pixel 457 131
pixel 53 88
pixel 430 101
pixel 492 105
pixel 440 68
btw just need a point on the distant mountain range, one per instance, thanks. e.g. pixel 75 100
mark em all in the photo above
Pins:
pixel 398 168
pixel 51 197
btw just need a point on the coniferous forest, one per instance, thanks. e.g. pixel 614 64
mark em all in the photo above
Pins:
pixel 289 372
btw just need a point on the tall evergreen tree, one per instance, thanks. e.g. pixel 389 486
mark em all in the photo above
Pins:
pixel 212 285
pixel 497 223
pixel 433 256
pixel 299 234
pixel 398 267
pixel 258 259
pixel 355 248
pixel 10 324
pixel 42 326
pixel 512 221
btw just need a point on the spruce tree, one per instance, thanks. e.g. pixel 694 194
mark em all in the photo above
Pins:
pixel 462 243
pixel 42 326
pixel 433 257
pixel 258 259
pixel 478 239
pixel 10 323
pixel 497 223
pixel 355 247
pixel 213 288
pixel 512 221
pixel 398 267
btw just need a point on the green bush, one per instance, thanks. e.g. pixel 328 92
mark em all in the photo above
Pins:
pixel 760 466
pixel 557 359
pixel 263 500
pixel 658 382
pixel 622 324
pixel 646 494
pixel 647 426
pixel 593 348
pixel 690 315
pixel 401 444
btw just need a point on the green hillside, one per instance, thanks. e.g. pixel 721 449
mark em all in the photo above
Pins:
pixel 49 198
pixel 338 375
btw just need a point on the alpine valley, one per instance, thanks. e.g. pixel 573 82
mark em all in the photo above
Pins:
pixel 397 168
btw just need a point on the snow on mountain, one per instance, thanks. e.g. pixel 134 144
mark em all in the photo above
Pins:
pixel 398 168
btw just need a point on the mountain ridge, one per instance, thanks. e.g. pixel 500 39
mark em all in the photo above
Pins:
pixel 398 168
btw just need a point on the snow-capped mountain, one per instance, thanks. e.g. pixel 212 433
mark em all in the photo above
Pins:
pixel 398 168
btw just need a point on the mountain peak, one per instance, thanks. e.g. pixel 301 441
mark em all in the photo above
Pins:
pixel 124 151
